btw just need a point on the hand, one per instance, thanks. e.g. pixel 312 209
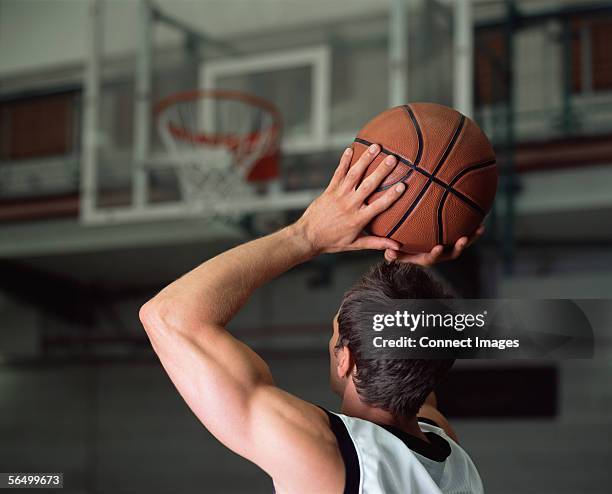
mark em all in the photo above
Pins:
pixel 334 222
pixel 436 254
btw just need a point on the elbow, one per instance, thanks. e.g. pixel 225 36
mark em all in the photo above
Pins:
pixel 154 321
pixel 162 315
pixel 153 316
pixel 146 314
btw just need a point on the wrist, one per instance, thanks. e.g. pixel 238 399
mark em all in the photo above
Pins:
pixel 301 234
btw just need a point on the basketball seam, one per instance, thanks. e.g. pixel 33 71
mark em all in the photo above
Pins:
pixel 462 173
pixel 401 158
pixel 419 133
pixel 436 180
pixel 382 188
pixel 417 158
pixel 417 200
pixel 465 199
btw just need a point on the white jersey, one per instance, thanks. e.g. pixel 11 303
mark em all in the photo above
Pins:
pixel 381 459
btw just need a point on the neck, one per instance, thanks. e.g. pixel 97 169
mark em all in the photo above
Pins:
pixel 354 407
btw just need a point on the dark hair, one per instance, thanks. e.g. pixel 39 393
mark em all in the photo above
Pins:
pixel 397 386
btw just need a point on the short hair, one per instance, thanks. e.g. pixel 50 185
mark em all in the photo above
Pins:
pixel 399 386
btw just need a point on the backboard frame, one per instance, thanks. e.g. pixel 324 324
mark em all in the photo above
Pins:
pixel 317 57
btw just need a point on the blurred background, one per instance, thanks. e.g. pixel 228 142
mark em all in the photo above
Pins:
pixel 95 216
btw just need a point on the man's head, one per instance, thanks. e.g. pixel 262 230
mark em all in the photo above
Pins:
pixel 396 386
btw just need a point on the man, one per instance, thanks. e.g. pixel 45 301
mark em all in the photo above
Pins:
pixel 377 444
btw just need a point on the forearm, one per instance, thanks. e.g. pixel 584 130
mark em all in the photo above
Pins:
pixel 213 292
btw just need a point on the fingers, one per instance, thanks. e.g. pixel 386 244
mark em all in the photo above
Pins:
pixel 458 248
pixel 476 235
pixel 373 181
pixel 357 170
pixel 342 169
pixel 391 255
pixel 375 243
pixel 464 242
pixel 422 259
pixel 383 202
pixel 436 254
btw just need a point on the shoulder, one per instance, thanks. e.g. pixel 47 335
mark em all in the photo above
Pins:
pixel 431 415
pixel 294 438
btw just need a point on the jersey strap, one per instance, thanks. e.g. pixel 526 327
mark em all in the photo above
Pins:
pixel 352 470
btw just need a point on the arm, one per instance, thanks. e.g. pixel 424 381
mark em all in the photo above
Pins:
pixel 430 411
pixel 225 383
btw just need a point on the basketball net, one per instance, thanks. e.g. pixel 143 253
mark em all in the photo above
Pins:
pixel 222 142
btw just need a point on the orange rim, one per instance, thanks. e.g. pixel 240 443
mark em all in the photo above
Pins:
pixel 230 140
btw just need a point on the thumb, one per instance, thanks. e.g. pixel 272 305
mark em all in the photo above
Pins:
pixel 374 243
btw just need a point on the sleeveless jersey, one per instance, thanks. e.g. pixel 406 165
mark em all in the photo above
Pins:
pixel 381 459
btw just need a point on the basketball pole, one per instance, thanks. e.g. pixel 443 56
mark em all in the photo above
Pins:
pixel 509 240
pixel 398 54
pixel 91 113
pixel 142 104
pixel 463 60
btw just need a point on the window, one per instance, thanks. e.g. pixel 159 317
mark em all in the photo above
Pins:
pixel 601 41
pixel 591 38
pixel 38 126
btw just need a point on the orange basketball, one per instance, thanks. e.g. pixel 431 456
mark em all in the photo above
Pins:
pixel 448 166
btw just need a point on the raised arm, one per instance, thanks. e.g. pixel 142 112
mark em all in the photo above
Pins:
pixel 225 383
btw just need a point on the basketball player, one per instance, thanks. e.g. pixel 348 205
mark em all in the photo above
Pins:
pixel 389 437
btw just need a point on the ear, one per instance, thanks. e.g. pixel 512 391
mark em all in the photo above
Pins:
pixel 345 362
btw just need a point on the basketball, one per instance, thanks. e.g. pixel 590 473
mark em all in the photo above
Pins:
pixel 448 166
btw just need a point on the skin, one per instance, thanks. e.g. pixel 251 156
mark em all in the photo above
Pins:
pixel 227 385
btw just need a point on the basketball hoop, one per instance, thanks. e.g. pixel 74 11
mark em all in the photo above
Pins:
pixel 222 141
